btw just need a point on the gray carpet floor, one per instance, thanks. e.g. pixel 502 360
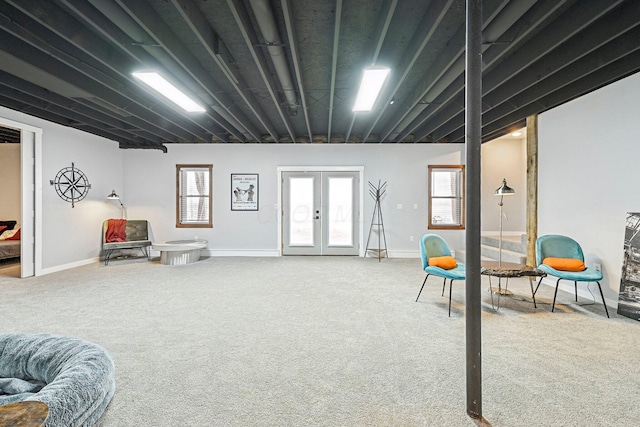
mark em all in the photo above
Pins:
pixel 329 341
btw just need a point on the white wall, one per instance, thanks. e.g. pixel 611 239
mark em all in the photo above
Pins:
pixel 588 170
pixel 10 178
pixel 73 236
pixel 150 188
pixel 504 158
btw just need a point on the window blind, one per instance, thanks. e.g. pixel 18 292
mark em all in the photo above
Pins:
pixel 194 195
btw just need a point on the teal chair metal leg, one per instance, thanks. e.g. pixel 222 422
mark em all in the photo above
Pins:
pixel 425 281
pixel 450 287
pixel 602 296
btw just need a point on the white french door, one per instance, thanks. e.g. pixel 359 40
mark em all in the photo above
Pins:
pixel 320 213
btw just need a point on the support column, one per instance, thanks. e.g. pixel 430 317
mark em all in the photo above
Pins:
pixel 473 142
pixel 532 188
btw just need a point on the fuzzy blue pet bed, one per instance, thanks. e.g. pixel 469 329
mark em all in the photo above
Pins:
pixel 75 378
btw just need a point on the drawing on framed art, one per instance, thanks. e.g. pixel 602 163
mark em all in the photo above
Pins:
pixel 244 191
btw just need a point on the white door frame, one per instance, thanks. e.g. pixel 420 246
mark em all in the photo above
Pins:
pixel 30 209
pixel 359 169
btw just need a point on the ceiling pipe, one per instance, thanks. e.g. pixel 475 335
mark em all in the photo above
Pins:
pixel 266 21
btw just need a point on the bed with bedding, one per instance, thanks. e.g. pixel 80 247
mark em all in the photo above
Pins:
pixel 9 249
pixel 9 240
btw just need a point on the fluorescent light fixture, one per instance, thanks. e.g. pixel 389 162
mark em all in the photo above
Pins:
pixel 516 133
pixel 370 87
pixel 166 89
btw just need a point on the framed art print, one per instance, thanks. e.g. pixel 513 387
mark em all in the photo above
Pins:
pixel 244 191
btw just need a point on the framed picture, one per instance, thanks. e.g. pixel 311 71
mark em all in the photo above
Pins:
pixel 629 296
pixel 244 191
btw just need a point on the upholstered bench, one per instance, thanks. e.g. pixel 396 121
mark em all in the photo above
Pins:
pixel 73 377
pixel 137 237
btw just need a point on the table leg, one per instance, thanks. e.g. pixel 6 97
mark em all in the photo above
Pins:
pixel 495 307
pixel 533 294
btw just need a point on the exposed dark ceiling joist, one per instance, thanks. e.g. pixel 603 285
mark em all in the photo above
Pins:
pixel 287 71
pixel 9 135
pixel 572 22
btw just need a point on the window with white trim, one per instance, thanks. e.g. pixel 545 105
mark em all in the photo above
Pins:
pixel 193 196
pixel 446 197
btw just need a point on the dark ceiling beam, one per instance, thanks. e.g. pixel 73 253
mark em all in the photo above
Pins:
pixel 162 34
pixel 9 135
pixel 566 64
pixel 382 29
pixel 625 66
pixel 334 63
pixel 451 83
pixel 73 113
pixel 91 17
pixel 295 58
pixel 431 20
pixel 41 111
pixel 249 35
pixel 574 20
pixel 86 53
pixel 497 133
pixel 613 72
pixel 498 17
pixel 141 118
pixel 213 45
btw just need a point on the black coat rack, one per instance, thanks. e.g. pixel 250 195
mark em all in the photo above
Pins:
pixel 376 220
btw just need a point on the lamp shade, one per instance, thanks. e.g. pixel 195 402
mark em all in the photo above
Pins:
pixel 113 195
pixel 504 189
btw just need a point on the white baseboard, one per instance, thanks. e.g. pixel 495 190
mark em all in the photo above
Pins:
pixel 233 252
pixel 404 254
pixel 504 233
pixel 242 252
pixel 68 266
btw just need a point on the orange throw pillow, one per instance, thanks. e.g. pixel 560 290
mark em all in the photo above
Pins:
pixel 565 264
pixel 444 262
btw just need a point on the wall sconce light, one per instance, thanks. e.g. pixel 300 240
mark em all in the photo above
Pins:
pixel 114 196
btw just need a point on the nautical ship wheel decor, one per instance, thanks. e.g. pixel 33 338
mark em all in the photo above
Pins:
pixel 71 184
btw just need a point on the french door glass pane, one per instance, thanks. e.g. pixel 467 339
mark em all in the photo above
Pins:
pixel 340 212
pixel 301 211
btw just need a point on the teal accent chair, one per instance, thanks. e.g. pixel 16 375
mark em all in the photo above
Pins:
pixel 432 245
pixel 558 246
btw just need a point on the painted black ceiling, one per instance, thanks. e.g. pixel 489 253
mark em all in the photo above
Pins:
pixel 288 70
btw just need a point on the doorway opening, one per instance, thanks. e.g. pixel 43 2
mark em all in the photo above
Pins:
pixel 26 173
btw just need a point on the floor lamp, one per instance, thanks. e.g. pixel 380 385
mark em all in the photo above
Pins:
pixel 114 196
pixel 504 190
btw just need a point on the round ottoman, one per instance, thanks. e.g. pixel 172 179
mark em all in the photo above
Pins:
pixel 77 377
pixel 179 252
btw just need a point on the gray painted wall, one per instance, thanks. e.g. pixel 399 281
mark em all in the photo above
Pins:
pixel 150 186
pixel 504 158
pixel 72 236
pixel 588 174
